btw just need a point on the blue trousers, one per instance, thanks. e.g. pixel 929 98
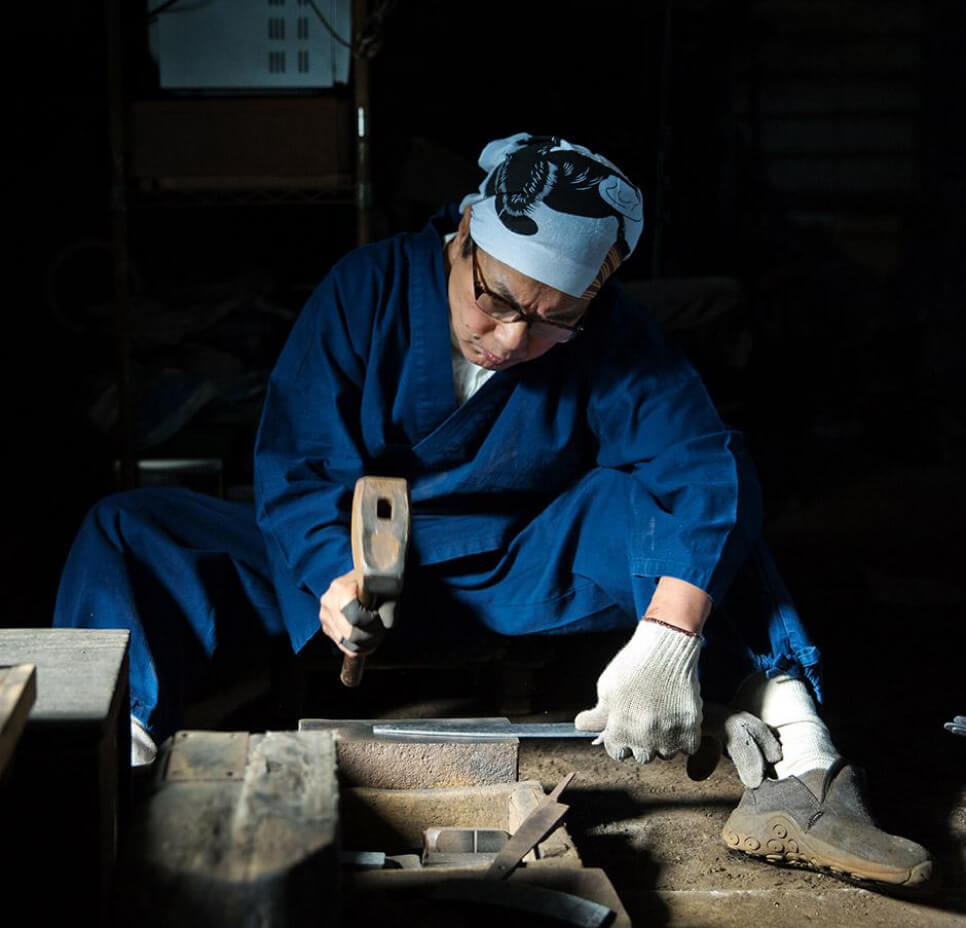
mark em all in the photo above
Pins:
pixel 187 574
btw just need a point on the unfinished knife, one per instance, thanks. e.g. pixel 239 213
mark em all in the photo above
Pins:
pixel 481 729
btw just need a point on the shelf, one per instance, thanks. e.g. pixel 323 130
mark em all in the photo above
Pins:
pixel 221 143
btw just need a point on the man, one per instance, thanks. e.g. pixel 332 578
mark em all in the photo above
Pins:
pixel 568 472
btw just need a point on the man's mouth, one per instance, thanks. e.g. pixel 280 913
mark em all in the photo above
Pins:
pixel 492 358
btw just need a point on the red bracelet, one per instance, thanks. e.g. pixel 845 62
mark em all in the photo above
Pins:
pixel 683 631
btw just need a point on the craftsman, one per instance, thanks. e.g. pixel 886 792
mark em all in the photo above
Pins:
pixel 568 472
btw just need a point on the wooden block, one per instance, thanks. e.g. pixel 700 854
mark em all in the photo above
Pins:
pixel 67 795
pixel 18 690
pixel 79 671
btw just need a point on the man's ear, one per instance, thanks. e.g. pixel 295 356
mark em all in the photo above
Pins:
pixel 464 226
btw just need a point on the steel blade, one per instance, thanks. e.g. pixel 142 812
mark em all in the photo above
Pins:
pixel 478 729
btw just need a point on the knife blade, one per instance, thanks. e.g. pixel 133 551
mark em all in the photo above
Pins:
pixel 478 729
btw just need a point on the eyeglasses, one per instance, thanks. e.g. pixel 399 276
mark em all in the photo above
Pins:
pixel 498 308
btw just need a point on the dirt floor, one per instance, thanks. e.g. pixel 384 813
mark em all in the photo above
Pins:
pixel 657 835
pixel 883 595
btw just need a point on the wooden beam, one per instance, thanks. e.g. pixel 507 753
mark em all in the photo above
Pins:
pixel 18 690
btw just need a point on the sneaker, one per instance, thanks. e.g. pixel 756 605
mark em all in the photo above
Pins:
pixel 820 821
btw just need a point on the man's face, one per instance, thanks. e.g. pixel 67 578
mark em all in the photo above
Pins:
pixel 484 340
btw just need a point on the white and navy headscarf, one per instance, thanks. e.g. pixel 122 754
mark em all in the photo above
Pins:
pixel 555 212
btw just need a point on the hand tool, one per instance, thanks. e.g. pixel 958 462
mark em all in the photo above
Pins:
pixel 380 536
pixel 531 831
pixel 482 729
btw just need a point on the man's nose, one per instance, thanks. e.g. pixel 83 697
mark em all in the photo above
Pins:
pixel 511 335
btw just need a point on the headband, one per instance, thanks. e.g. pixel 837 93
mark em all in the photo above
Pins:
pixel 556 212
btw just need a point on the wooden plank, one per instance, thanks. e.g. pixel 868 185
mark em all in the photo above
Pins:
pixel 18 690
pixel 69 788
pixel 78 670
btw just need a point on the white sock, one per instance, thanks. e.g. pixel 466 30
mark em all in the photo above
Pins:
pixel 786 705
pixel 143 748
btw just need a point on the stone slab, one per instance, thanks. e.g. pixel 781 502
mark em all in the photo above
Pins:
pixel 383 762
pixel 218 842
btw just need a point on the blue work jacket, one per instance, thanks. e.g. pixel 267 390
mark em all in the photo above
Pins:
pixel 364 385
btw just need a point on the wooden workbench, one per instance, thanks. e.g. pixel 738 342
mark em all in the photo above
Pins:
pixel 66 793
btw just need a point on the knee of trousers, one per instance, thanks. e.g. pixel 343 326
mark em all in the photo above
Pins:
pixel 114 515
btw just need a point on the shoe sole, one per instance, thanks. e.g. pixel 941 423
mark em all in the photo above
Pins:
pixel 787 843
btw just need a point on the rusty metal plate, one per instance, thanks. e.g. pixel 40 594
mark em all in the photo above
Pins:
pixel 208 755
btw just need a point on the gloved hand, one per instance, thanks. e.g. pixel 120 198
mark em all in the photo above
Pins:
pixel 748 741
pixel 369 626
pixel 354 629
pixel 648 698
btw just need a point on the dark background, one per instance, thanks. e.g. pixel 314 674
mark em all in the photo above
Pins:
pixel 810 259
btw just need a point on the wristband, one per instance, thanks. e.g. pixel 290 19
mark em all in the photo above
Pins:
pixel 674 628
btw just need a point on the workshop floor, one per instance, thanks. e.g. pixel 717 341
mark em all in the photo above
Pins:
pixel 891 682
pixel 656 834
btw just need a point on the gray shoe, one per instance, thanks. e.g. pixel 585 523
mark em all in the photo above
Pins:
pixel 820 820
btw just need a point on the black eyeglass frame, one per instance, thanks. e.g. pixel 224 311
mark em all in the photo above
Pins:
pixel 480 287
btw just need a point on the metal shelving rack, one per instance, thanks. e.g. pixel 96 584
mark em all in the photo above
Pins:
pixel 146 172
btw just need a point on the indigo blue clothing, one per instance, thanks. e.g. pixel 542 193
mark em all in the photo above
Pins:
pixel 551 501
pixel 364 386
pixel 186 573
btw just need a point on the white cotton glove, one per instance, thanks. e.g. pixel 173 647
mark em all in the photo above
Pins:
pixel 648 697
pixel 748 741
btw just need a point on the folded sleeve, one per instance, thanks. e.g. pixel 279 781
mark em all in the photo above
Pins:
pixel 652 416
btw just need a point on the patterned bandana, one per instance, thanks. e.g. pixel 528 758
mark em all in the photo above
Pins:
pixel 555 212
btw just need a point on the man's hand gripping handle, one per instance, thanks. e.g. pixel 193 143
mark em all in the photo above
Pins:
pixel 380 537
